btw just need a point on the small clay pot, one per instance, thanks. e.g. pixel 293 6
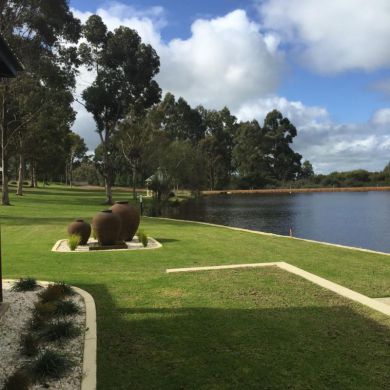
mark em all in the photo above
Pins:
pixel 106 226
pixel 83 229
pixel 130 219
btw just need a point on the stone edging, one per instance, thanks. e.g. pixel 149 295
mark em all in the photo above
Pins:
pixel 325 283
pixel 156 244
pixel 274 235
pixel 88 380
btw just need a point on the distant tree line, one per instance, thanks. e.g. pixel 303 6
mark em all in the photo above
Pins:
pixel 355 178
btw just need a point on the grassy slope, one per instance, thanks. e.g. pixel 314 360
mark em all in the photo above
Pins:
pixel 209 330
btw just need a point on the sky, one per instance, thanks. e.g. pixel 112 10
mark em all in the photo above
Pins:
pixel 324 64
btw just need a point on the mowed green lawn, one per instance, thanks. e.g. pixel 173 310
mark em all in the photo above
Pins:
pixel 230 329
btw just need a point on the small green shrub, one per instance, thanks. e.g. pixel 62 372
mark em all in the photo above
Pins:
pixel 59 330
pixel 66 289
pixel 142 237
pixel 20 380
pixel 36 323
pixel 93 234
pixel 27 284
pixel 44 309
pixel 50 364
pixel 30 345
pixel 74 241
pixel 53 292
pixel 66 308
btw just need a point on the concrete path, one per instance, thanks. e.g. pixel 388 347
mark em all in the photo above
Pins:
pixel 383 300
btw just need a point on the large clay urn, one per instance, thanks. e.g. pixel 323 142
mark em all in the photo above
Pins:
pixel 130 219
pixel 106 226
pixel 81 228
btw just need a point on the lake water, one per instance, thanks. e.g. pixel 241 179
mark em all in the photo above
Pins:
pixel 360 219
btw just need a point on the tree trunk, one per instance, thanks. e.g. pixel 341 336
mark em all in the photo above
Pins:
pixel 4 178
pixel 21 175
pixel 4 161
pixel 66 174
pixel 33 178
pixel 107 183
pixel 108 174
pixel 71 174
pixel 134 179
pixel 31 175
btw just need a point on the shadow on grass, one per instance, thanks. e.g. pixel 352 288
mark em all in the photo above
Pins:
pixel 231 348
pixel 19 221
pixel 166 240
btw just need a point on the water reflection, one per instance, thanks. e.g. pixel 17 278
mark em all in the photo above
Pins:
pixel 359 219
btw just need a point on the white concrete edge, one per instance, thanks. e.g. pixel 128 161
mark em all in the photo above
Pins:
pixel 88 380
pixel 273 235
pixel 58 243
pixel 216 267
pixel 334 287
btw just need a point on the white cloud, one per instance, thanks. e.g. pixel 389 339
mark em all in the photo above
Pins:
pixel 296 111
pixel 332 35
pixel 381 117
pixel 225 61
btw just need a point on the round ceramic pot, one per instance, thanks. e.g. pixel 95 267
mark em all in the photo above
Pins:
pixel 106 226
pixel 83 229
pixel 130 219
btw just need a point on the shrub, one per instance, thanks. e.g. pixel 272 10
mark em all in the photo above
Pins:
pixel 142 237
pixel 66 289
pixel 20 380
pixel 44 309
pixel 53 292
pixel 50 364
pixel 74 241
pixel 36 323
pixel 28 284
pixel 66 308
pixel 59 330
pixel 93 234
pixel 30 345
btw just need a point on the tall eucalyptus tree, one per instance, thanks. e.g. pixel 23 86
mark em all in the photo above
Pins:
pixel 124 69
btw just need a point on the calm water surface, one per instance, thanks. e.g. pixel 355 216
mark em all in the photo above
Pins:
pixel 360 219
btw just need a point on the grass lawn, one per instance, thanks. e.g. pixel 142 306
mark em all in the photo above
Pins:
pixel 258 328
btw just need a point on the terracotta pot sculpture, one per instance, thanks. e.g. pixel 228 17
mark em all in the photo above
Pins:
pixel 106 226
pixel 130 219
pixel 83 229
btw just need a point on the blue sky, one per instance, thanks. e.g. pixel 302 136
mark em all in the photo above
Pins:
pixel 326 65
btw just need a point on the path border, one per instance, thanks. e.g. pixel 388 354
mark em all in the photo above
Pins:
pixel 88 379
pixel 273 235
pixel 322 282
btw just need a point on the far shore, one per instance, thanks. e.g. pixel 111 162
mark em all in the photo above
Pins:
pixel 296 190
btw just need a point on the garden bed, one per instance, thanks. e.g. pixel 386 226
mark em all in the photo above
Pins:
pixel 92 246
pixel 16 322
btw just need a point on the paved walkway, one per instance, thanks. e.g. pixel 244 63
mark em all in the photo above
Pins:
pixel 383 300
